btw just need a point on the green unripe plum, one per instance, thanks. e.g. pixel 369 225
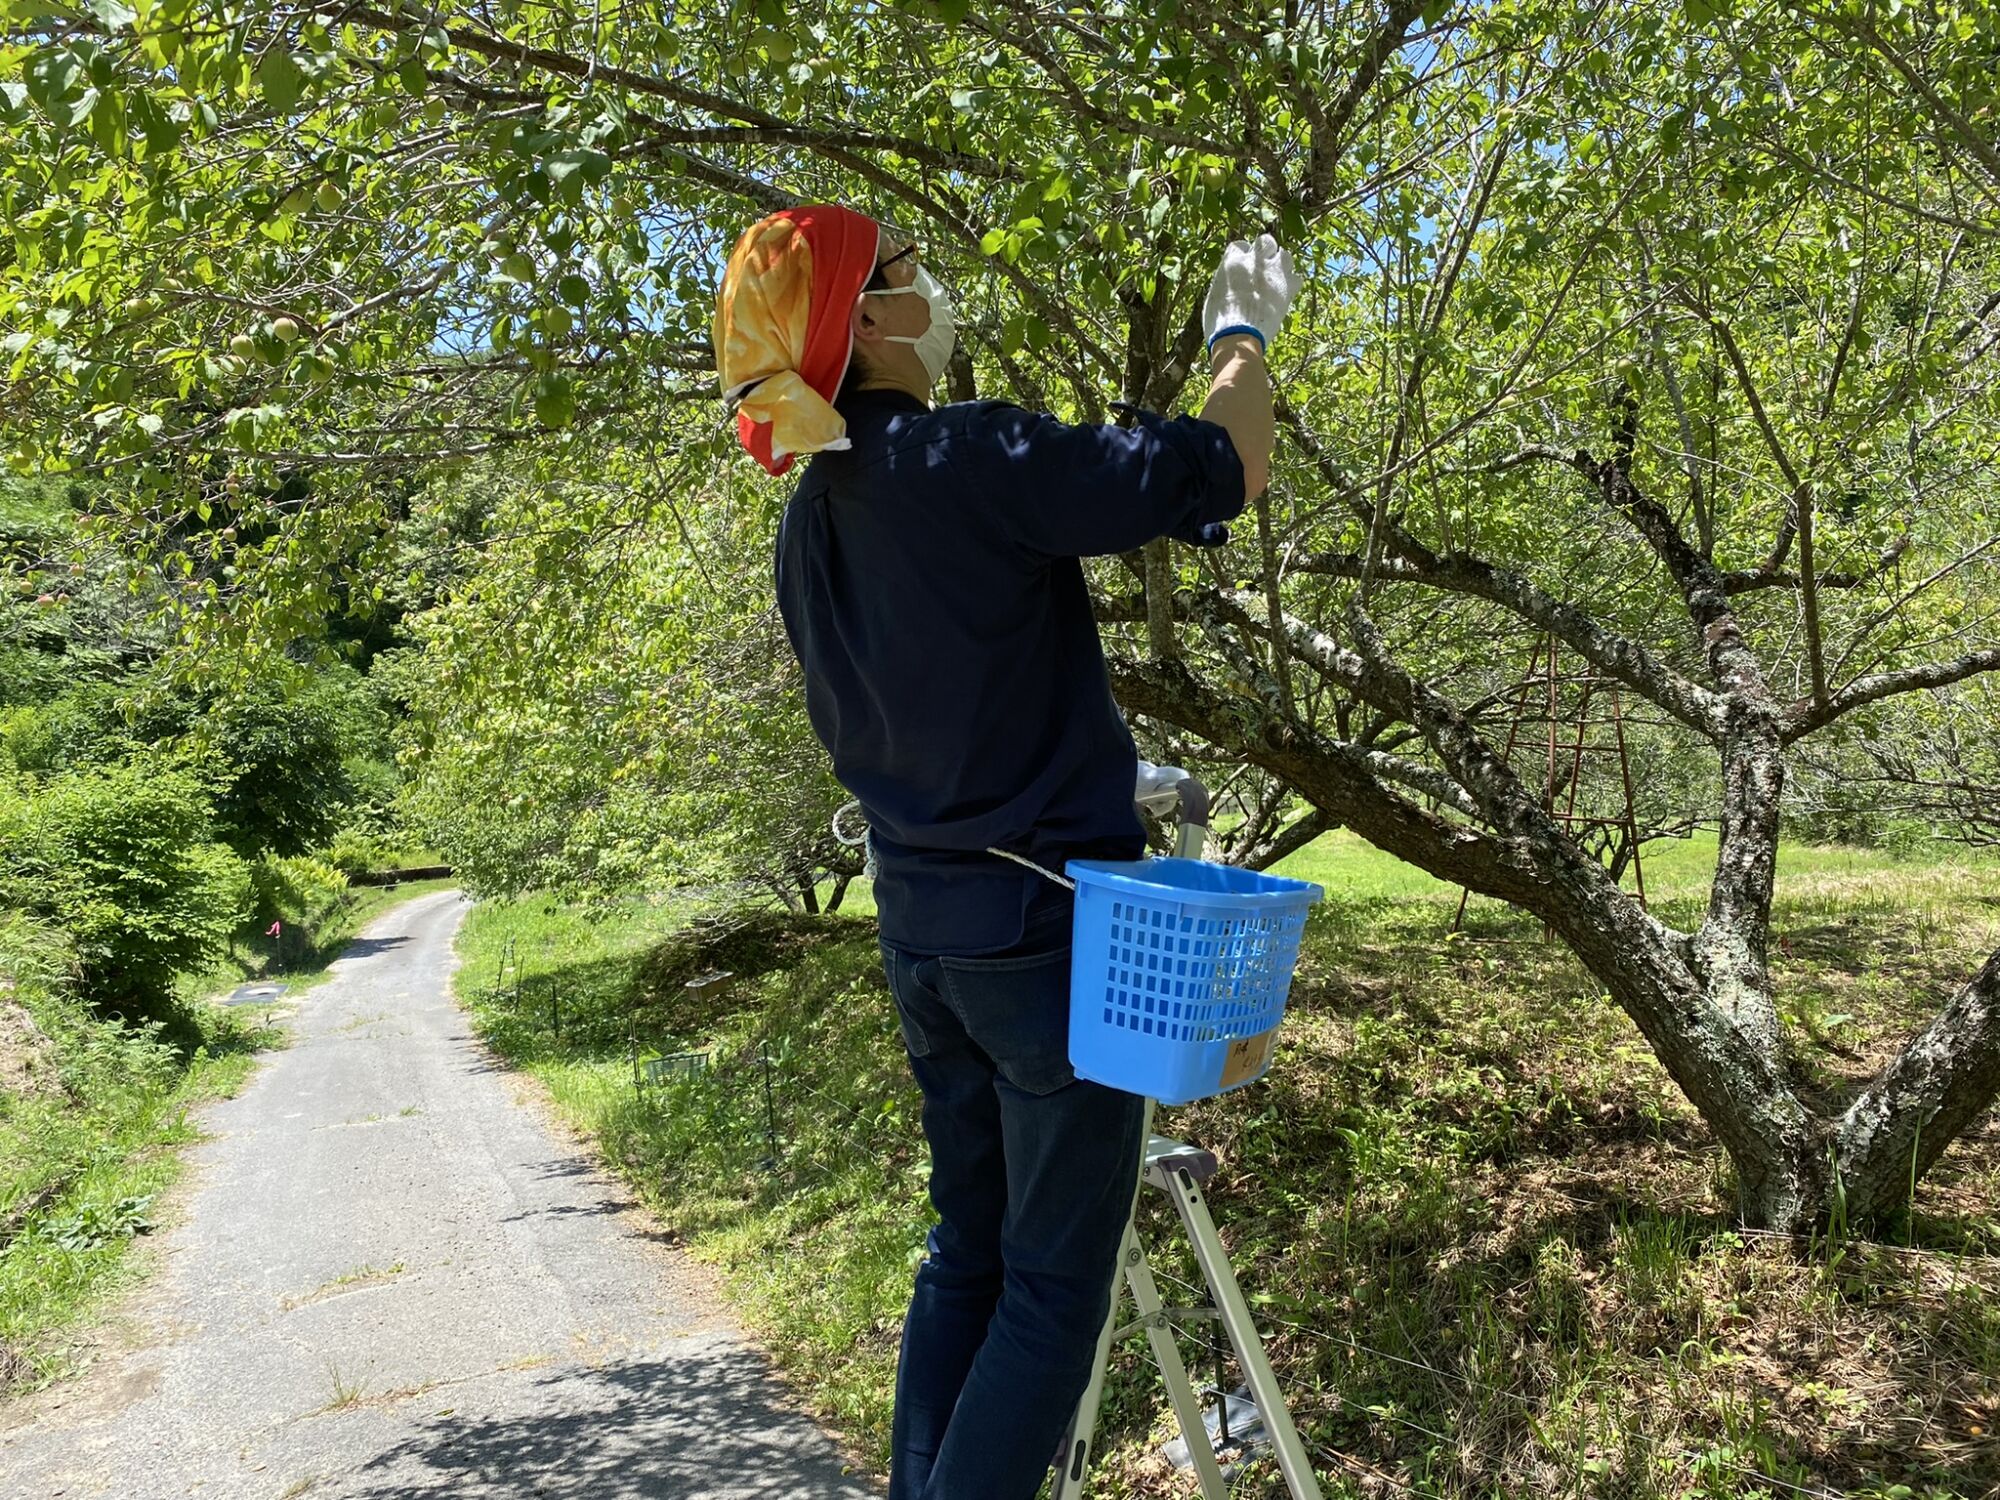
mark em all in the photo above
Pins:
pixel 557 320
pixel 286 329
pixel 242 346
pixel 329 197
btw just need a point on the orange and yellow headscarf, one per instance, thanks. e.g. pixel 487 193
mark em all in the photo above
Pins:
pixel 783 330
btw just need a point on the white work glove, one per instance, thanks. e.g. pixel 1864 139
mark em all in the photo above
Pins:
pixel 1158 788
pixel 1252 291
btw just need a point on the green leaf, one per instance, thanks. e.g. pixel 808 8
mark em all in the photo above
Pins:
pixel 280 79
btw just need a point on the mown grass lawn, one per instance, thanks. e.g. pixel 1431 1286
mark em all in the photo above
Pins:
pixel 1493 1245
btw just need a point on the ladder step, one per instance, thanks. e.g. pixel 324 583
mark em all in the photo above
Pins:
pixel 1164 1156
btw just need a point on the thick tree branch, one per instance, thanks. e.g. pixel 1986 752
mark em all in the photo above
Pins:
pixel 1805 716
pixel 1941 1081
pixel 1749 580
pixel 1329 134
pixel 1701 583
pixel 1332 775
pixel 1293 837
pixel 1732 1078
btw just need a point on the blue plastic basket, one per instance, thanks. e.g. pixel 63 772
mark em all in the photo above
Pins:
pixel 1179 973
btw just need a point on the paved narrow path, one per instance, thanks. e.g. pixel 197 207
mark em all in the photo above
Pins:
pixel 536 1340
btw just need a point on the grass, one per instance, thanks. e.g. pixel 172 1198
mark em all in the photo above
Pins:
pixel 90 1151
pixel 1492 1245
pixel 347 1281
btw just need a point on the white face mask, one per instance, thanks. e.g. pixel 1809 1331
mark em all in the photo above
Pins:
pixel 934 344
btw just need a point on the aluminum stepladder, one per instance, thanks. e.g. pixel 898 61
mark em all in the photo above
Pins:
pixel 1180 1171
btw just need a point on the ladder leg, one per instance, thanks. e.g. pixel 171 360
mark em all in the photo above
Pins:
pixel 1079 1451
pixel 1180 1390
pixel 1293 1461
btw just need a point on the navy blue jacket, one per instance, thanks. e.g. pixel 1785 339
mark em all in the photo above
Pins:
pixel 929 580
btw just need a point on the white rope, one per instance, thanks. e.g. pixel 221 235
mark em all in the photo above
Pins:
pixel 846 807
pixel 841 812
pixel 1068 885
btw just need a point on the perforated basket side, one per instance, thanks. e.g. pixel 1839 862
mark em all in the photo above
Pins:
pixel 1167 981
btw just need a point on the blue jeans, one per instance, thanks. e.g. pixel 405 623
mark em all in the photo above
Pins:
pixel 1033 1171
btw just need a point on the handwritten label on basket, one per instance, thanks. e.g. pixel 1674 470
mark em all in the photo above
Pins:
pixel 1248 1057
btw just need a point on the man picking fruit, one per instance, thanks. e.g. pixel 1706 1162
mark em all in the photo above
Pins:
pixel 929 575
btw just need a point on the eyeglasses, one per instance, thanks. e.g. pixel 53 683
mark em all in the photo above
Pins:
pixel 880 283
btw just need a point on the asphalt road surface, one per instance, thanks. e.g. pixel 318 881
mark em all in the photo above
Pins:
pixel 388 1273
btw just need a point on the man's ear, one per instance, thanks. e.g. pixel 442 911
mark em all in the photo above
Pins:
pixel 867 329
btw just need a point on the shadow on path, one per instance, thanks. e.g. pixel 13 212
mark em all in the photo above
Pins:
pixel 705 1423
pixel 367 947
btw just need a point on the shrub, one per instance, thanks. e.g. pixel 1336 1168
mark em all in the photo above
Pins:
pixel 356 851
pixel 284 768
pixel 96 1062
pixel 91 724
pixel 34 955
pixel 121 859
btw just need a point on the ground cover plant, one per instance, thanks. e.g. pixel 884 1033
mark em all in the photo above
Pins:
pixel 1495 1252
pixel 91 1112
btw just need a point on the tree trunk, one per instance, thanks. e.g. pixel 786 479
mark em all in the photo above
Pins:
pixel 839 893
pixel 1731 945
